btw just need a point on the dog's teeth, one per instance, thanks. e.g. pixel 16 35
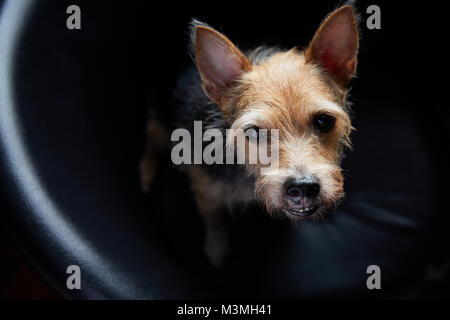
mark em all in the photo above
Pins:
pixel 301 210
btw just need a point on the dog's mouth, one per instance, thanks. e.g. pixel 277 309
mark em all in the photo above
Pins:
pixel 302 211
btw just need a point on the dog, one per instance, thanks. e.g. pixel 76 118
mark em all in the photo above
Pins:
pixel 300 93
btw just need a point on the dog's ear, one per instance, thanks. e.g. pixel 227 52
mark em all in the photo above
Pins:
pixel 218 60
pixel 335 45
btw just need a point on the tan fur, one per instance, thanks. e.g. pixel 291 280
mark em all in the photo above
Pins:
pixel 210 201
pixel 284 91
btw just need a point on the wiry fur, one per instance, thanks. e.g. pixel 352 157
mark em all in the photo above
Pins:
pixel 273 89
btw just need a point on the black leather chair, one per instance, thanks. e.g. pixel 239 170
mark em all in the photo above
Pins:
pixel 72 116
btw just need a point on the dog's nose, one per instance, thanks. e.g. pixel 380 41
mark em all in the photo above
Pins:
pixel 297 191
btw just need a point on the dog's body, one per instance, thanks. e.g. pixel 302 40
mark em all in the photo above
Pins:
pixel 302 94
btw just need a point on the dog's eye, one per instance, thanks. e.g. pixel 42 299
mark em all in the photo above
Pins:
pixel 254 132
pixel 324 122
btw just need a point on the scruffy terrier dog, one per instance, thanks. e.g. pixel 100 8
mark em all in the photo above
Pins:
pixel 300 93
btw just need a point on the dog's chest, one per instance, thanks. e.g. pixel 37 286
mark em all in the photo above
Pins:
pixel 239 193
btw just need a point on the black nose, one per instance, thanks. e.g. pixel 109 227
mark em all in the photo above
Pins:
pixel 300 190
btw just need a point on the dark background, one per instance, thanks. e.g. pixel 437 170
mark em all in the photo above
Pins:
pixel 135 51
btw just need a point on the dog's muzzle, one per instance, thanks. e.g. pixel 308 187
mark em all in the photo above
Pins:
pixel 301 196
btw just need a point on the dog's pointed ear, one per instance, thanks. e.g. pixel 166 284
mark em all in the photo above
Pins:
pixel 335 45
pixel 218 60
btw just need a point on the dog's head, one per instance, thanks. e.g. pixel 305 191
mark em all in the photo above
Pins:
pixel 300 93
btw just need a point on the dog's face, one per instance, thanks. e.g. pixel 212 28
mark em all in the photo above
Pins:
pixel 300 93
